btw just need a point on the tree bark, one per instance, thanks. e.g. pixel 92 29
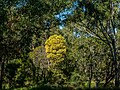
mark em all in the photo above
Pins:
pixel 115 63
pixel 114 44
pixel 1 73
pixel 90 75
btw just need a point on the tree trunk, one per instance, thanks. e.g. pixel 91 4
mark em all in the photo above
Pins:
pixel 1 73
pixel 90 75
pixel 114 44
pixel 115 63
pixel 97 82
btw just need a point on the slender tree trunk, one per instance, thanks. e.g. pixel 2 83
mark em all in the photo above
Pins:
pixel 97 82
pixel 115 63
pixel 90 76
pixel 114 44
pixel 1 74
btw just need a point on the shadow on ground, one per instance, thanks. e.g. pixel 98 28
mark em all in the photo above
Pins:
pixel 69 88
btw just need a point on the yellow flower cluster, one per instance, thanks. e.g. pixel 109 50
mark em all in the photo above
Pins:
pixel 55 48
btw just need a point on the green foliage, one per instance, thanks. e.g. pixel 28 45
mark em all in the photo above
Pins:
pixel 28 57
pixel 12 71
pixel 38 57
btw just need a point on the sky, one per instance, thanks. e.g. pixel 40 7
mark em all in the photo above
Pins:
pixel 63 15
pixel 21 3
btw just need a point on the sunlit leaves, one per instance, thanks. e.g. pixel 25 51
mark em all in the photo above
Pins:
pixel 55 48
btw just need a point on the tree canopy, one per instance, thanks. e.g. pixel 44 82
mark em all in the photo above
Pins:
pixel 84 53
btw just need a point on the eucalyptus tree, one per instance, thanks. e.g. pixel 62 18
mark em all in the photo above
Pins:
pixel 100 20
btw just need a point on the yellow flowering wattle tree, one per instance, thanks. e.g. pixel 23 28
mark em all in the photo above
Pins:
pixel 55 49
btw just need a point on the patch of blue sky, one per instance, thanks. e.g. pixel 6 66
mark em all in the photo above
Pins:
pixel 61 26
pixel 83 8
pixel 67 12
pixel 75 4
pixel 116 30
pixel 63 15
pixel 76 34
pixel 88 35
pixel 21 3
